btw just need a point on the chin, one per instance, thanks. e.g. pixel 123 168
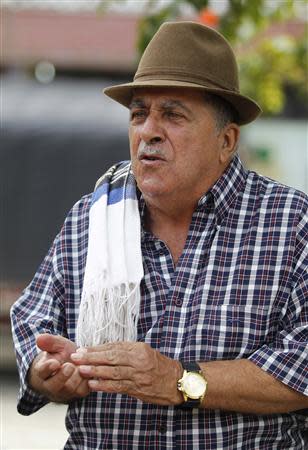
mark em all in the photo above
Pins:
pixel 151 191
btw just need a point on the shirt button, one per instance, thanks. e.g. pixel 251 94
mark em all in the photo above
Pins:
pixel 162 428
pixel 178 301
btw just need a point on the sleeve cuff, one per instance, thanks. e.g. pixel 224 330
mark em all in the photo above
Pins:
pixel 289 367
pixel 29 401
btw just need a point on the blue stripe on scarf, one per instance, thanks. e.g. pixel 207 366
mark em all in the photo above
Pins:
pixel 101 190
pixel 115 193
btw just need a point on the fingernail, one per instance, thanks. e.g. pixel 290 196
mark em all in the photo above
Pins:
pixel 68 370
pixel 85 369
pixel 81 350
pixel 93 383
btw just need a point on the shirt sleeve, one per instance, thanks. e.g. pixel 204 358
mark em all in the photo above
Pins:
pixel 286 357
pixel 41 307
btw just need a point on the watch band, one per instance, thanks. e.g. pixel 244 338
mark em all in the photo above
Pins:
pixel 191 403
pixel 191 367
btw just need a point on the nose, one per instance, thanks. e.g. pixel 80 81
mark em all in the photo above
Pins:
pixel 151 132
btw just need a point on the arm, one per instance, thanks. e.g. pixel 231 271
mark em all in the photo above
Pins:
pixel 272 380
pixel 37 311
pixel 140 371
pixel 47 305
pixel 242 386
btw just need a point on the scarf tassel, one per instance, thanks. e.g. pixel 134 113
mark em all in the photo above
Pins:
pixel 116 307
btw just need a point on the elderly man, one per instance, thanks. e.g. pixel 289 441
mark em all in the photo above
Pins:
pixel 171 311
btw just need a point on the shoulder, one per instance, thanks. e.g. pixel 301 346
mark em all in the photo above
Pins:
pixel 276 196
pixel 80 210
pixel 73 236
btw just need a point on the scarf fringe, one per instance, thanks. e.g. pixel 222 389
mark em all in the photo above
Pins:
pixel 117 307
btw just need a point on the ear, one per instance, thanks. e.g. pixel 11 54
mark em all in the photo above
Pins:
pixel 230 136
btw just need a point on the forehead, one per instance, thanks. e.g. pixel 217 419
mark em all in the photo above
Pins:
pixel 185 96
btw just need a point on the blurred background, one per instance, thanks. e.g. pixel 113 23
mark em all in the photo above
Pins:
pixel 59 133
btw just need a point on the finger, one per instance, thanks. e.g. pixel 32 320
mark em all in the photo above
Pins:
pixel 123 345
pixel 55 384
pixel 110 386
pixel 83 389
pixel 76 385
pixel 107 372
pixel 52 343
pixel 113 356
pixel 46 369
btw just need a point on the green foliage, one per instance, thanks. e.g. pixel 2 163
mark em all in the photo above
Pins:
pixel 267 63
pixel 149 24
pixel 239 12
pixel 274 64
pixel 198 4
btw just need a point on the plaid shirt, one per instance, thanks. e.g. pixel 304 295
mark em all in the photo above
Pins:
pixel 239 290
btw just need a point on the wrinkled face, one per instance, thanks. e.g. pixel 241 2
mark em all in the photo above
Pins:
pixel 174 144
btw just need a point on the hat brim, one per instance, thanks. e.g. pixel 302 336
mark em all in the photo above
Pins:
pixel 248 110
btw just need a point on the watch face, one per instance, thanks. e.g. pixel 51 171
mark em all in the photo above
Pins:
pixel 194 385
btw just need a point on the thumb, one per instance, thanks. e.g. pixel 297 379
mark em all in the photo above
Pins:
pixel 55 344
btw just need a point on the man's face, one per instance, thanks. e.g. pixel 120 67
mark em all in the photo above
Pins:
pixel 174 144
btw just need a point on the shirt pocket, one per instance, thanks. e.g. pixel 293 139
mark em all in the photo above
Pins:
pixel 227 331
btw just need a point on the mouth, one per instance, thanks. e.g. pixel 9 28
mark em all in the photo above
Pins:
pixel 150 158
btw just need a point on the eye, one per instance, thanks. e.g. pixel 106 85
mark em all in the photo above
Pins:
pixel 137 115
pixel 173 115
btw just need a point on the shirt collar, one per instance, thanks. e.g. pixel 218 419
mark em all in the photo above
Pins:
pixel 221 195
pixel 227 188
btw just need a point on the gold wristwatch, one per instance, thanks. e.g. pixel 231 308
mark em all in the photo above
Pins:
pixel 192 385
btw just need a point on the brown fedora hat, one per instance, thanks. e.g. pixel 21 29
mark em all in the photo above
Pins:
pixel 187 54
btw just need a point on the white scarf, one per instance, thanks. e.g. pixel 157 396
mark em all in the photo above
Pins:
pixel 110 300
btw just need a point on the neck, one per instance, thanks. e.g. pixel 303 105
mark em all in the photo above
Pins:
pixel 173 214
pixel 170 225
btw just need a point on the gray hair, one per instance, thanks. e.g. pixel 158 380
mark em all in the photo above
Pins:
pixel 225 113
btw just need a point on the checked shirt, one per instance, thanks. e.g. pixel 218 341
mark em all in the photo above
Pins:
pixel 239 290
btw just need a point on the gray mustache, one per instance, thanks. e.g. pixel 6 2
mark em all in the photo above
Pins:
pixel 149 151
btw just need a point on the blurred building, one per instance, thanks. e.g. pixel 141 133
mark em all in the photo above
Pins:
pixel 71 41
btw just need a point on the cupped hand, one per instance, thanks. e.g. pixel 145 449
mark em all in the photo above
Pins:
pixel 53 374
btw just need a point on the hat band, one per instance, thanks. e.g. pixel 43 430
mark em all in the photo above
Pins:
pixel 179 75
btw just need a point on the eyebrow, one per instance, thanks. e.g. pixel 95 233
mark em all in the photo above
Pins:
pixel 165 104
pixel 137 103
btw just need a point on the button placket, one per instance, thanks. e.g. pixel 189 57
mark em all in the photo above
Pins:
pixel 162 428
pixel 178 301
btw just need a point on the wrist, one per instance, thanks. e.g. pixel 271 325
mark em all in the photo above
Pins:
pixel 192 385
pixel 178 397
